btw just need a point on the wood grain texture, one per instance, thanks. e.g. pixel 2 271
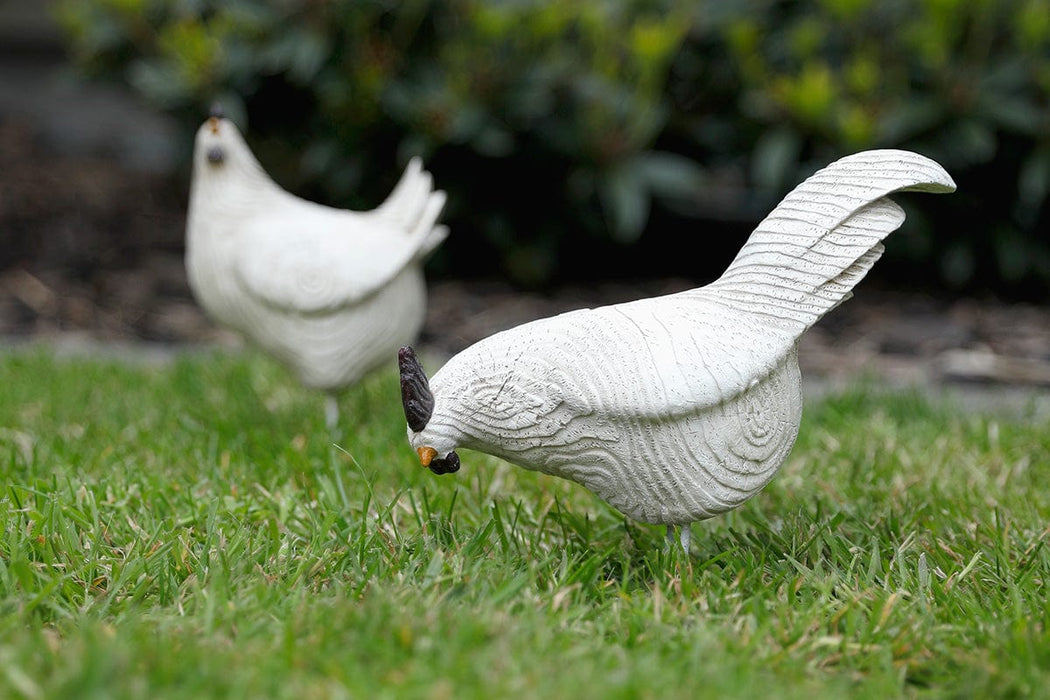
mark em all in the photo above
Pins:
pixel 677 408
pixel 331 293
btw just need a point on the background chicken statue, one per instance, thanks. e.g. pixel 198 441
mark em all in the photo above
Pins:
pixel 676 408
pixel 331 293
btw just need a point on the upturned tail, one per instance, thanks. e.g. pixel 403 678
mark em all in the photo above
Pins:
pixel 414 206
pixel 804 259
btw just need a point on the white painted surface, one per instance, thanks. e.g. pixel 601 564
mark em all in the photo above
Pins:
pixel 331 293
pixel 677 408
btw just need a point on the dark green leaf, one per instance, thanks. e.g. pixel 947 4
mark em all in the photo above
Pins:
pixel 909 118
pixel 625 200
pixel 671 175
pixel 1034 181
pixel 774 159
pixel 1014 113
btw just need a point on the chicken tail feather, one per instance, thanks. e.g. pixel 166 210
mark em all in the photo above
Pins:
pixel 414 206
pixel 804 259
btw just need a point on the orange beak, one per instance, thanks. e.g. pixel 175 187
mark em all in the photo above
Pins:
pixel 213 122
pixel 426 454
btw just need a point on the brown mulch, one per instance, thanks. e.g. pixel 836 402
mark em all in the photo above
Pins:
pixel 903 337
pixel 93 250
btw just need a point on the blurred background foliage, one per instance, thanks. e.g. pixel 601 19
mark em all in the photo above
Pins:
pixel 606 138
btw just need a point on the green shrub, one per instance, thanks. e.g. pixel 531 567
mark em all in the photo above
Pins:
pixel 966 83
pixel 563 131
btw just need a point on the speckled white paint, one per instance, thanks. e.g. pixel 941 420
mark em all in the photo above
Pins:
pixel 329 292
pixel 678 408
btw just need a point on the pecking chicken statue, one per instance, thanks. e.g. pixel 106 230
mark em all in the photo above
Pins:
pixel 331 293
pixel 676 408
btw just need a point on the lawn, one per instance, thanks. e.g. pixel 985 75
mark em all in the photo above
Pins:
pixel 189 529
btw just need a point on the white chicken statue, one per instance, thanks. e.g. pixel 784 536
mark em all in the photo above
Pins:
pixel 331 293
pixel 676 408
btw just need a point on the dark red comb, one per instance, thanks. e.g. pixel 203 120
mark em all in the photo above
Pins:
pixel 416 396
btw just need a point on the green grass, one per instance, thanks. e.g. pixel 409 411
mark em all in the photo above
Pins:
pixel 190 530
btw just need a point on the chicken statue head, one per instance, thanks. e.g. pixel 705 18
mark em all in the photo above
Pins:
pixel 677 408
pixel 219 149
pixel 329 292
pixel 435 452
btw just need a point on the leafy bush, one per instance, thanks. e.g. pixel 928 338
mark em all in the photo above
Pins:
pixel 966 83
pixel 563 131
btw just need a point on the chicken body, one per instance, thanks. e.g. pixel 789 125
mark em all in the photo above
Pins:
pixel 650 431
pixel 331 293
pixel 677 408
